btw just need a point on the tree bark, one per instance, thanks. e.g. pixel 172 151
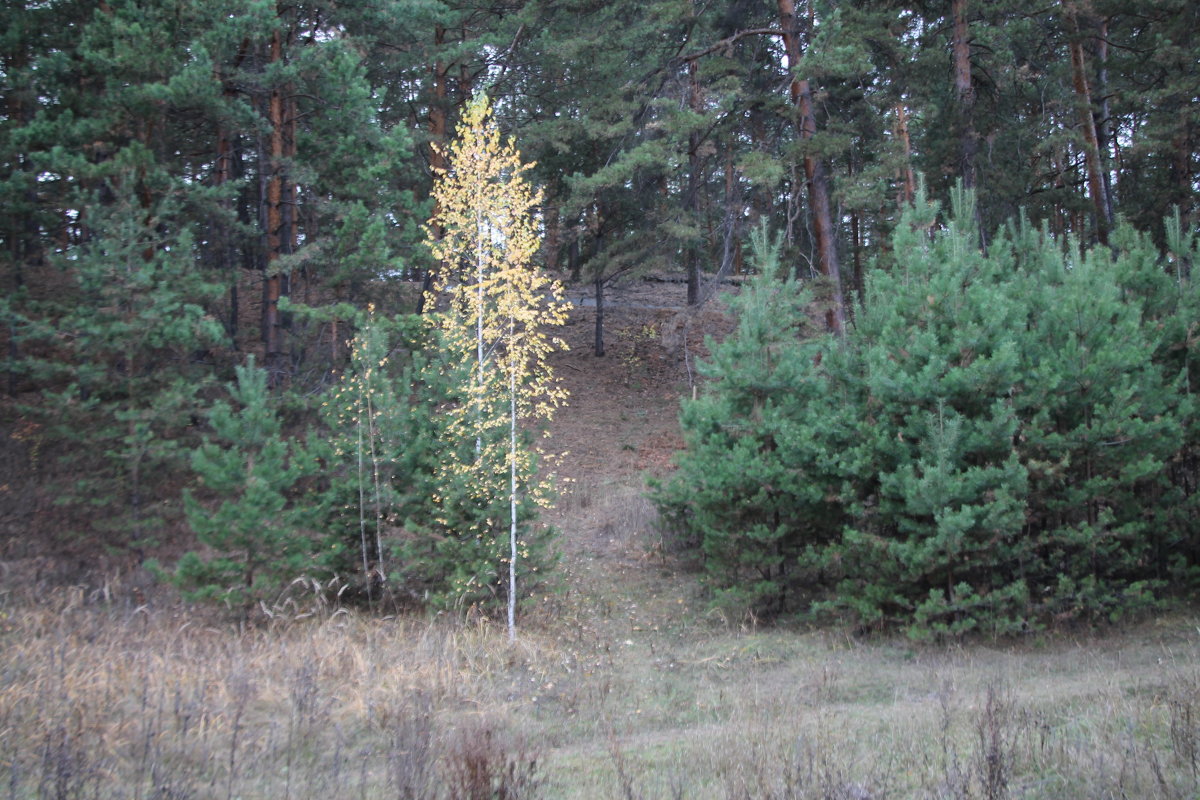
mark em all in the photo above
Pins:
pixel 964 94
pixel 275 176
pixel 1104 133
pixel 816 179
pixel 222 173
pixel 695 162
pixel 599 345
pixel 908 183
pixel 552 248
pixel 574 262
pixel 437 155
pixel 1087 122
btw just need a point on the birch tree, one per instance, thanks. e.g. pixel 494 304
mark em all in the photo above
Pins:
pixel 496 311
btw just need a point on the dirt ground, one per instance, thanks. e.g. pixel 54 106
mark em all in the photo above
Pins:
pixel 619 429
pixel 621 422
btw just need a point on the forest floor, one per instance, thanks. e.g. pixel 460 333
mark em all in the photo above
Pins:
pixel 620 429
pixel 623 684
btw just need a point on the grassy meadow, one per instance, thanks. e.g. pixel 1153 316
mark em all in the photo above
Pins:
pixel 620 687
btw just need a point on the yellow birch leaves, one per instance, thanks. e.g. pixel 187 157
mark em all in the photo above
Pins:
pixel 494 307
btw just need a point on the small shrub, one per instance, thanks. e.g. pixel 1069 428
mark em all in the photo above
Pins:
pixel 482 765
pixel 258 535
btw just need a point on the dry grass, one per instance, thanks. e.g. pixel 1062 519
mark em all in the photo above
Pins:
pixel 99 700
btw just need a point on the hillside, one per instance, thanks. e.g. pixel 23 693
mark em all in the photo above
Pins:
pixel 620 427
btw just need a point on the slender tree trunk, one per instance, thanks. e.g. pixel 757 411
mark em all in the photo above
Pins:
pixel 574 262
pixel 735 204
pixel 552 217
pixel 856 237
pixel 437 153
pixel 908 183
pixel 964 94
pixel 222 170
pixel 814 171
pixel 437 109
pixel 599 348
pixel 1104 134
pixel 695 164
pixel 273 168
pixel 512 497
pixel 1091 146
pixel 289 212
pixel 731 258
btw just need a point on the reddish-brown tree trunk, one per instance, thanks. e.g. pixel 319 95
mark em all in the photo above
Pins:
pixel 437 141
pixel 908 183
pixel 274 198
pixel 816 179
pixel 1105 139
pixel 964 93
pixel 222 174
pixel 280 211
pixel 552 218
pixel 1087 123
pixel 695 164
pixel 437 109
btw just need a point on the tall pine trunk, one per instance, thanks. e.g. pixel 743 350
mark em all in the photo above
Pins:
pixel 964 100
pixel 1105 137
pixel 222 174
pixel 437 156
pixel 599 342
pixel 964 94
pixel 695 164
pixel 908 182
pixel 280 202
pixel 816 179
pixel 1087 123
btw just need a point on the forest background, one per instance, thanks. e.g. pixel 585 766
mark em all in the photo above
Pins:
pixel 959 398
pixel 187 185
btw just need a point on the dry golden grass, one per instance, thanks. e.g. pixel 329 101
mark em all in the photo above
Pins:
pixel 103 700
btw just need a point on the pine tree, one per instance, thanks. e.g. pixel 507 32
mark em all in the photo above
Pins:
pixel 1004 437
pixel 497 309
pixel 379 452
pixel 260 531
pixel 751 492
pixel 367 419
pixel 133 321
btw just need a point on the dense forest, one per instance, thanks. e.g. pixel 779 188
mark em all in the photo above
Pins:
pixel 221 235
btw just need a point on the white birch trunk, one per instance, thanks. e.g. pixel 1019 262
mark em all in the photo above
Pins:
pixel 479 331
pixel 512 502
